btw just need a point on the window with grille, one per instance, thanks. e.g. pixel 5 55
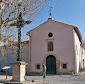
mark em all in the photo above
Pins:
pixel 38 66
pixel 50 46
pixel 64 66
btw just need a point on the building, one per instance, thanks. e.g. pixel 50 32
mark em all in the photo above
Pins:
pixel 8 54
pixel 57 45
pixel 83 56
pixel 54 44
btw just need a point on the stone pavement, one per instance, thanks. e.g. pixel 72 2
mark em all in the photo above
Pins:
pixel 3 80
pixel 53 79
pixel 82 72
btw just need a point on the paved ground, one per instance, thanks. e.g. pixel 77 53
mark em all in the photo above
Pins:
pixel 55 79
pixel 62 79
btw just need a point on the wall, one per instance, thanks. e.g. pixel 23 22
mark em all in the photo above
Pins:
pixel 77 52
pixel 25 55
pixel 83 56
pixel 9 55
pixel 63 45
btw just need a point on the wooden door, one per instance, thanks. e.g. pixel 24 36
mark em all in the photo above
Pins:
pixel 51 65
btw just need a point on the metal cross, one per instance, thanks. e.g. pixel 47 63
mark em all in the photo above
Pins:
pixel 19 24
pixel 50 12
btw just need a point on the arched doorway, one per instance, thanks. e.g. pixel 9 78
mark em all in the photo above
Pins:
pixel 50 65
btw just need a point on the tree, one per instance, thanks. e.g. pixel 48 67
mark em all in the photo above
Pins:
pixel 9 10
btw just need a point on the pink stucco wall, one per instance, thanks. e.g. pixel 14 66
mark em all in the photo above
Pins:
pixel 63 44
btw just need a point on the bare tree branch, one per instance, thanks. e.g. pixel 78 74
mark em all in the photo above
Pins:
pixel 9 14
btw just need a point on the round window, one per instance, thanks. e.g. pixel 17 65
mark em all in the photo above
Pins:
pixel 50 34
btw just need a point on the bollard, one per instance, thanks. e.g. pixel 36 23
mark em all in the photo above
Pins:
pixel 44 73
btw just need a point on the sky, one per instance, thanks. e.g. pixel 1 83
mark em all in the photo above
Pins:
pixel 66 11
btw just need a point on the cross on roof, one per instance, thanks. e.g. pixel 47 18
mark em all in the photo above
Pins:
pixel 50 12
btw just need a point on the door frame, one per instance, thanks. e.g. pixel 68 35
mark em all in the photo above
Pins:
pixel 57 61
pixel 54 59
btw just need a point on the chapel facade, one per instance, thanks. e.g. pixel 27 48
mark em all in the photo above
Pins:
pixel 56 45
